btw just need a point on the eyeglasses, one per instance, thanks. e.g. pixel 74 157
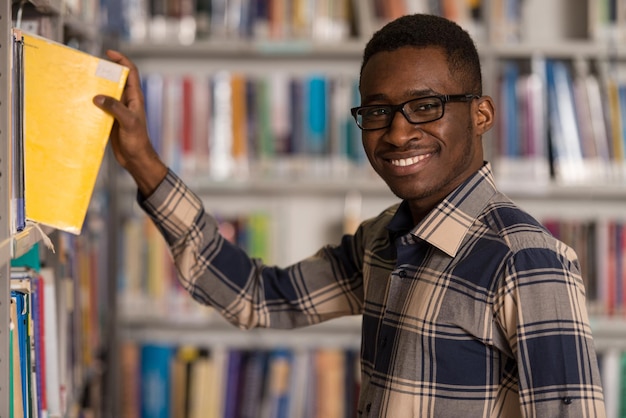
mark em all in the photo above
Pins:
pixel 420 110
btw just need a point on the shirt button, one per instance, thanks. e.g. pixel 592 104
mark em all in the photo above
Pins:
pixel 567 400
pixel 402 274
pixel 368 408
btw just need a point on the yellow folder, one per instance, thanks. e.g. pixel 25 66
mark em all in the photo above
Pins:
pixel 65 134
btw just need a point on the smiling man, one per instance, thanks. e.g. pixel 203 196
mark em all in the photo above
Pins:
pixel 470 307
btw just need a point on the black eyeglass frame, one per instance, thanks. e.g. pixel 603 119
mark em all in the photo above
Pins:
pixel 444 98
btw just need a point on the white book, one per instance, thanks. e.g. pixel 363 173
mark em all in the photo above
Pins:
pixel 611 382
pixel 300 382
pixel 171 130
pixel 221 147
pixel 51 336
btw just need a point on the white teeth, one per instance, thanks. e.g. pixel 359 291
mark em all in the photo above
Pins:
pixel 408 161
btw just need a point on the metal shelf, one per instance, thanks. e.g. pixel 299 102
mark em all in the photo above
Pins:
pixel 608 332
pixel 214 331
pixel 238 49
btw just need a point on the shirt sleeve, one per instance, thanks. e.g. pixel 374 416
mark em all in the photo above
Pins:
pixel 543 312
pixel 245 291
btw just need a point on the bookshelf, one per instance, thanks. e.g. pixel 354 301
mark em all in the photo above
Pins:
pixel 5 238
pixel 70 23
pixel 579 37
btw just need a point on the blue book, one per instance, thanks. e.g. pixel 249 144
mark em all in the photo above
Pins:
pixel 278 396
pixel 155 380
pixel 317 108
pixel 621 94
pixel 24 347
pixel 152 85
pixel 233 383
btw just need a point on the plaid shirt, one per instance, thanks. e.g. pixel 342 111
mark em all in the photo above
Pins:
pixel 476 312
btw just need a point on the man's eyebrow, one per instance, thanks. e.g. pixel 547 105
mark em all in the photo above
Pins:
pixel 421 93
pixel 408 94
pixel 374 97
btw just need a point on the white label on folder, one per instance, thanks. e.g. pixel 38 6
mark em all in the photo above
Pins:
pixel 109 70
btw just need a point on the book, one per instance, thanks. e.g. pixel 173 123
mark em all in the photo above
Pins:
pixel 207 374
pixel 22 303
pixel 201 390
pixel 253 383
pixel 610 373
pixel 52 342
pixel 302 383
pixel 129 375
pixel 37 309
pixel 17 138
pixel 564 133
pixel 330 380
pixel 65 134
pixel 181 378
pixel 277 399
pixel 15 371
pixel 155 361
pixel 233 383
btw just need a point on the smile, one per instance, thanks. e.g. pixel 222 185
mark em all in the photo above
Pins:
pixel 409 161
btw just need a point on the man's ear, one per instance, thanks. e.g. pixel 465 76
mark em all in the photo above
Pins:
pixel 484 114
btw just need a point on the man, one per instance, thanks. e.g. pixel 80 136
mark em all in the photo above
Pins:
pixel 470 308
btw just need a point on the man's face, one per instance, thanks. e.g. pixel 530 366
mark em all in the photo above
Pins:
pixel 420 162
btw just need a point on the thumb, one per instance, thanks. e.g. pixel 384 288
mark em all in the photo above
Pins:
pixel 105 103
pixel 112 106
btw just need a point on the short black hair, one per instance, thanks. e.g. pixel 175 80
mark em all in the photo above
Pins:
pixel 424 30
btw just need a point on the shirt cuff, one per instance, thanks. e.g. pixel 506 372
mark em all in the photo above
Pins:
pixel 172 206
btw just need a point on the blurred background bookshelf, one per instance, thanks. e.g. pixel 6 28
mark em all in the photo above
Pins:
pixel 249 102
pixel 525 46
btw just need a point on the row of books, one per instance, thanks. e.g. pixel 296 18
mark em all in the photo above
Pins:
pixel 186 21
pixel 162 380
pixel 554 123
pixel 54 331
pixel 147 280
pixel 223 123
pixel 607 20
pixel 500 21
pixel 468 14
pixel 564 120
pixel 601 248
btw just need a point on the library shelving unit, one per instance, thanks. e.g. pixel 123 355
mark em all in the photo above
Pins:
pixel 59 21
pixel 5 237
pixel 571 32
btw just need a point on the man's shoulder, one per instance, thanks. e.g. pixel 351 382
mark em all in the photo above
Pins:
pixel 514 225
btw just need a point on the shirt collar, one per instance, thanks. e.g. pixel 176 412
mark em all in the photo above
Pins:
pixel 447 224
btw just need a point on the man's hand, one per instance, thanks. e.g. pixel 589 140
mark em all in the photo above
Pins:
pixel 129 136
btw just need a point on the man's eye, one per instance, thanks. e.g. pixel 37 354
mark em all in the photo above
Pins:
pixel 376 112
pixel 425 106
